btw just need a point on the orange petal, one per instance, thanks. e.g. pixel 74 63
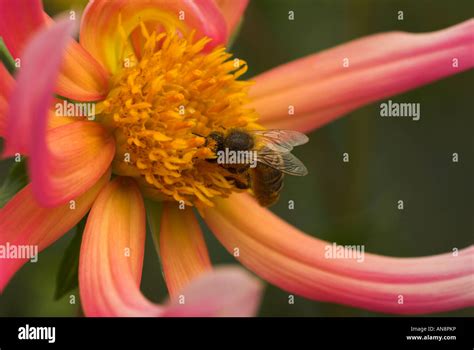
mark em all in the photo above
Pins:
pixel 24 222
pixel 75 158
pixel 81 77
pixel 298 263
pixel 101 36
pixel 183 250
pixel 327 85
pixel 111 264
pixel 112 251
pixel 233 11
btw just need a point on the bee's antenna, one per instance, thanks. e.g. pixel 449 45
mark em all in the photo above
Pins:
pixel 197 134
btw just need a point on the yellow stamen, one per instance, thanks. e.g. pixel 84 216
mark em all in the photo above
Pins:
pixel 162 107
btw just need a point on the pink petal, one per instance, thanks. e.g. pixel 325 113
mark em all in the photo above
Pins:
pixel 111 265
pixel 19 20
pixel 183 250
pixel 31 99
pixel 224 291
pixel 233 11
pixel 24 222
pixel 6 86
pixel 321 89
pixel 297 263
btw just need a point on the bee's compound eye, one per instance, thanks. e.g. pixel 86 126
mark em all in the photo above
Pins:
pixel 239 140
pixel 218 138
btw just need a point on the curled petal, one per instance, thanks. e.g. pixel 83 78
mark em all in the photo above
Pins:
pixel 81 78
pixel 106 24
pixel 233 11
pixel 298 263
pixel 23 221
pixel 33 94
pixel 182 247
pixel 19 20
pixel 65 161
pixel 327 85
pixel 74 158
pixel 111 264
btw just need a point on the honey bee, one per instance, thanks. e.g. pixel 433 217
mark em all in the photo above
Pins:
pixel 261 158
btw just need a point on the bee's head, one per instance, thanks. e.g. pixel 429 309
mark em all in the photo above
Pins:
pixel 215 141
pixel 238 140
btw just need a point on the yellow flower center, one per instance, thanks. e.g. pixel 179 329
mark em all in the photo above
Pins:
pixel 163 105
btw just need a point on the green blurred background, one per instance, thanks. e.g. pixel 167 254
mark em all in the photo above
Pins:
pixel 350 203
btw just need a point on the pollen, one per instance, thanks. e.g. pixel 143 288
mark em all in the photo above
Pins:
pixel 161 107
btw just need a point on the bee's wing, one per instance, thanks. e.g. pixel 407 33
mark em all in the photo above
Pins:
pixel 285 162
pixel 281 141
